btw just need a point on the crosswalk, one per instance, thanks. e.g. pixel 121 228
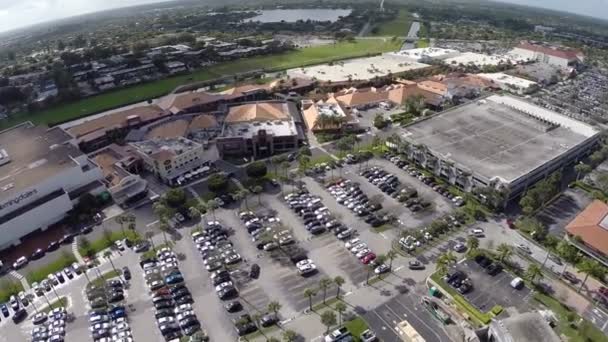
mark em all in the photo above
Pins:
pixel 21 279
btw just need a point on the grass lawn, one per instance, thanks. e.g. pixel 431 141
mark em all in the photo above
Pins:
pixel 103 242
pixel 120 97
pixel 578 330
pixel 356 327
pixel 65 260
pixel 396 27
pixel 63 301
pixel 9 288
pixel 422 43
pixel 152 252
pixel 105 276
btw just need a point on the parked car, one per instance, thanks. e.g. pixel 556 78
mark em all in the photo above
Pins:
pixel 415 265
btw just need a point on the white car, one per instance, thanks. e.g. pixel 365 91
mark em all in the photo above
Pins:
pixel 99 318
pixel 305 269
pixel 183 307
pixel 119 328
pixel 185 314
pixel 99 326
pixel 524 248
pixel 122 335
pixel 358 248
pixel 304 262
pixel 20 262
pixel 223 286
pixel 352 243
pixel 365 251
pixel 165 320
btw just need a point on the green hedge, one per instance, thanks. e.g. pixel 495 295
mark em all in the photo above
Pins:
pixel 102 243
pixel 65 260
pixel 496 310
pixel 105 276
pixel 62 302
pixel 152 252
pixel 9 288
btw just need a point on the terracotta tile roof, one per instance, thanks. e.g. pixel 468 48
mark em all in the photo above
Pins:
pixel 182 102
pixel 260 111
pixel 561 53
pixel 203 121
pixel 361 97
pixel 434 87
pixel 311 116
pixel 171 129
pixel 590 227
pixel 240 90
pixel 100 125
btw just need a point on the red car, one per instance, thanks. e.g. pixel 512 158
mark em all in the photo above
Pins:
pixel 368 258
pixel 511 223
pixel 603 290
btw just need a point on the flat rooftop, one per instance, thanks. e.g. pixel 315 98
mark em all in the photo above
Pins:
pixel 499 136
pixel 358 69
pixel 501 77
pixel 480 59
pixel 35 153
pixel 165 148
pixel 246 130
pixel 431 52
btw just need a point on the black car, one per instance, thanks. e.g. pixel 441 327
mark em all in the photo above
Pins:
pixel 254 272
pixel 67 238
pixel 190 330
pixel 245 328
pixel 114 283
pixel 175 289
pixel 4 310
pixel 494 269
pixel 126 273
pixel 115 297
pixel 188 322
pixel 19 316
pixel 163 313
pixel 483 261
pixel 415 265
pixel 39 253
pixel 316 230
pixel 86 230
pixel 163 304
pixel 227 293
pixel 233 306
pixel 181 293
pixel 52 246
pixel 268 320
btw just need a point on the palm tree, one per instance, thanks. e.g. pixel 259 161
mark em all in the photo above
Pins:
pixel 472 243
pixel 149 235
pixel 444 260
pixel 339 281
pixel 310 293
pixel 163 226
pixel 212 205
pixel 533 272
pixel 289 336
pixel 274 307
pixel 160 210
pixel 504 252
pixel 340 308
pixel 582 169
pixel 324 285
pixel 120 219
pixel 590 267
pixel 107 254
pixel 391 255
pixel 238 196
pixel 258 191
pixel 256 320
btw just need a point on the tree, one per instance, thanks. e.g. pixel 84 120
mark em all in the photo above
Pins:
pixel 258 191
pixel 310 293
pixel 217 182
pixel 443 261
pixel 108 255
pixel 602 181
pixel 472 243
pixel 581 170
pixel 339 281
pixel 568 252
pixel 391 255
pixel 160 210
pixel 107 235
pixel 212 205
pixel 504 252
pixel 164 227
pixel 380 122
pixel 274 307
pixel 324 285
pixel 85 245
pixel 533 272
pixel 120 219
pixel 175 198
pixel 590 268
pixel 149 235
pixel 194 212
pixel 328 318
pixel 303 161
pixel 256 170
pixel 289 336
pixel 340 309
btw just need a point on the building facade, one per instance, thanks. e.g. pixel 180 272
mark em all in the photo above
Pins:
pixel 43 177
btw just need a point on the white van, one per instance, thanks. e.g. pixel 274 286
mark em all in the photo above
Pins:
pixel 476 232
pixel 517 283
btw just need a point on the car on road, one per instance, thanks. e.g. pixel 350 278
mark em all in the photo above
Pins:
pixel 476 232
pixel 53 245
pixel 39 253
pixel 22 261
pixel 570 277
pixel 523 247
pixel 126 273
pixel 415 265
pixel 19 316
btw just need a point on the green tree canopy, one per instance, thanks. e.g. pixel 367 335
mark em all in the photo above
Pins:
pixel 257 169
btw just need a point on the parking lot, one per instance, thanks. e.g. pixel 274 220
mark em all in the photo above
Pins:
pixel 489 291
pixel 563 210
pixel 385 318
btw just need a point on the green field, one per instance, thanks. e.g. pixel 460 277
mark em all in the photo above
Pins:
pixel 422 43
pixel 396 27
pixel 117 98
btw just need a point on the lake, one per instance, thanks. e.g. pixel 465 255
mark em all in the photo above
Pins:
pixel 293 15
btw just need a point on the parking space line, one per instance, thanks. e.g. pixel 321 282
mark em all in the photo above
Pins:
pixel 390 327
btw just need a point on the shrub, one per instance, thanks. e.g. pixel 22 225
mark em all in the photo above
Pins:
pixel 217 182
pixel 496 310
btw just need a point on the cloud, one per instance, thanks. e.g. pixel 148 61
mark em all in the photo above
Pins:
pixel 15 14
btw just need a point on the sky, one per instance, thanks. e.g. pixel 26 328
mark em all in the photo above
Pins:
pixel 20 13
